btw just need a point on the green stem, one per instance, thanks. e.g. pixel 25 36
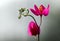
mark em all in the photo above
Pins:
pixel 30 16
pixel 38 37
pixel 33 18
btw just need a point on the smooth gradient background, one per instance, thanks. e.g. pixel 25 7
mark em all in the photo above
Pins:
pixel 14 29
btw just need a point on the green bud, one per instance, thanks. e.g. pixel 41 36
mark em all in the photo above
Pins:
pixel 19 17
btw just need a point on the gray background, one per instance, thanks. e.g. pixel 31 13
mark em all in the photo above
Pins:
pixel 13 29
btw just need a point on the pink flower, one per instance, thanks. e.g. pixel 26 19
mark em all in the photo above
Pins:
pixel 40 11
pixel 33 29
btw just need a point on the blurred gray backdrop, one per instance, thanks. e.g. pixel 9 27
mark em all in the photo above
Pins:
pixel 13 29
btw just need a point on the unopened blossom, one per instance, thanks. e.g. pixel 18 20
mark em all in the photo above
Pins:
pixel 33 29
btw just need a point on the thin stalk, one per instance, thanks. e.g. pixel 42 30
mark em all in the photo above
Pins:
pixel 36 23
pixel 33 18
pixel 30 16
pixel 38 37
pixel 40 25
pixel 40 20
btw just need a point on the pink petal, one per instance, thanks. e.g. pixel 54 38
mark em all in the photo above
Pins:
pixel 36 28
pixel 33 11
pixel 43 7
pixel 33 29
pixel 29 32
pixel 29 28
pixel 36 8
pixel 45 12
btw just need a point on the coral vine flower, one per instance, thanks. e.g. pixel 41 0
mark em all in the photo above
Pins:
pixel 33 29
pixel 40 11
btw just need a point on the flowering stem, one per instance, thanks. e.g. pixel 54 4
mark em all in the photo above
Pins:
pixel 30 16
pixel 36 23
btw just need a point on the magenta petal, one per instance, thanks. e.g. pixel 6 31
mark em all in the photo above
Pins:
pixel 37 10
pixel 29 32
pixel 43 7
pixel 33 29
pixel 45 12
pixel 30 26
pixel 33 11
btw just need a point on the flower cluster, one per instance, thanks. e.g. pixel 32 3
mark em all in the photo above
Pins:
pixel 38 11
pixel 23 11
pixel 33 27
